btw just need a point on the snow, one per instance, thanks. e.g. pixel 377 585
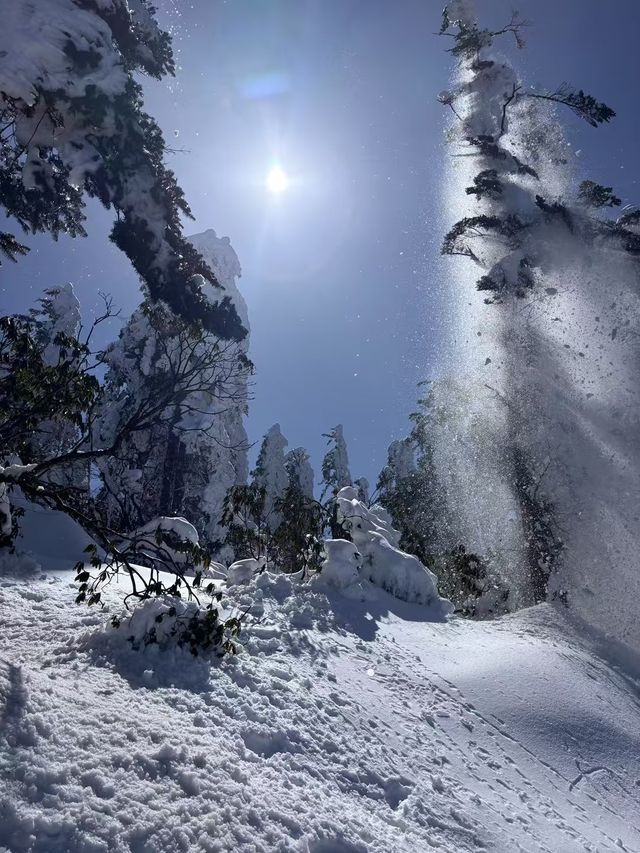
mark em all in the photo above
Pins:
pixel 211 427
pixel 342 725
pixel 341 566
pixel 32 42
pixel 177 532
pixel 335 466
pixel 271 472
pixel 49 537
pixel 243 571
pixel 553 374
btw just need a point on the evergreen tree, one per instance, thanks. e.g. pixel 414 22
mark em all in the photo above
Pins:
pixel 411 489
pixel 362 484
pixel 270 474
pixel 299 471
pixel 514 209
pixel 173 466
pixel 335 465
pixel 73 124
pixel 528 231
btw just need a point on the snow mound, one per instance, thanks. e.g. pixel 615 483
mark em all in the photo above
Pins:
pixel 175 532
pixel 341 567
pixel 243 571
pixel 382 562
pixel 150 646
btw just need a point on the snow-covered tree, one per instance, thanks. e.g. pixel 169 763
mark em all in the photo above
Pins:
pixel 52 381
pixel 270 474
pixel 179 462
pixel 515 208
pixel 363 487
pixel 73 124
pixel 187 462
pixel 529 463
pixel 413 490
pixel 299 471
pixel 335 465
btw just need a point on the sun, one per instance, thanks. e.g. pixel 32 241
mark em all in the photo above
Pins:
pixel 277 180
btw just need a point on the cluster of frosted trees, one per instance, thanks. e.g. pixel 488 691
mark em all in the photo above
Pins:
pixel 501 482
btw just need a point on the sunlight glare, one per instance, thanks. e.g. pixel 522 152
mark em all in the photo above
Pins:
pixel 277 180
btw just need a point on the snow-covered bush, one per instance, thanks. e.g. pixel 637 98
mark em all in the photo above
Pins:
pixel 382 562
pixel 294 545
pixel 342 565
pixel 169 621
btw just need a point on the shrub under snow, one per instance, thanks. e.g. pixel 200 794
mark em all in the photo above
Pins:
pixel 373 556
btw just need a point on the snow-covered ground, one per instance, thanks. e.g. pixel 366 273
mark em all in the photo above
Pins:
pixel 342 726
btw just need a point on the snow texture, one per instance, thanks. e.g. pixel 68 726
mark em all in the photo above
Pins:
pixel 342 726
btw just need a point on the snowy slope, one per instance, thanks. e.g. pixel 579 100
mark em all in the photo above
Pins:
pixel 342 726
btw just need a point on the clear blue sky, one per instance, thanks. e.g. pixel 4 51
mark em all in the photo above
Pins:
pixel 341 274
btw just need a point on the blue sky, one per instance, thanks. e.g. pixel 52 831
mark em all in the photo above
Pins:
pixel 341 273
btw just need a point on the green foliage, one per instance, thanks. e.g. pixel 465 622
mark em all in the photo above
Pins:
pixel 556 210
pixel 498 162
pixel 583 105
pixel 417 502
pixel 175 569
pixel 497 281
pixel 9 247
pixel 32 390
pixel 335 464
pixel 296 543
pixel 244 517
pixel 595 195
pixel 469 39
pixel 456 241
pixel 541 530
pixel 201 631
pixel 462 578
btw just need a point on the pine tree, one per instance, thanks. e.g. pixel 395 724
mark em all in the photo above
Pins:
pixel 73 124
pixel 529 231
pixel 513 208
pixel 299 471
pixel 335 465
pixel 270 474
